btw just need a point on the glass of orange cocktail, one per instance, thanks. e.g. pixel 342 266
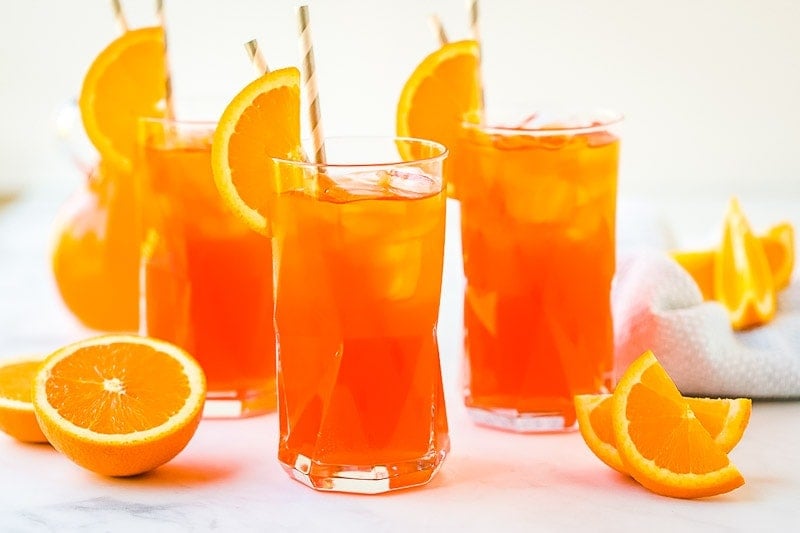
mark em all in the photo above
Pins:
pixel 538 202
pixel 358 245
pixel 206 278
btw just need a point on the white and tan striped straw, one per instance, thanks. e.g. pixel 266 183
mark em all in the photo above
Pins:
pixel 310 84
pixel 438 29
pixel 169 105
pixel 119 16
pixel 256 57
pixel 474 29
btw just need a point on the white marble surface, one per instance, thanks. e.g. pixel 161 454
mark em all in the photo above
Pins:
pixel 228 479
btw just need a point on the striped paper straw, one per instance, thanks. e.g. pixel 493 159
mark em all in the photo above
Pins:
pixel 476 35
pixel 473 20
pixel 310 84
pixel 169 105
pixel 438 29
pixel 256 57
pixel 119 16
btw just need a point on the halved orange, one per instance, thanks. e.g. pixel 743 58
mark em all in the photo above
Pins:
pixel 778 243
pixel 16 409
pixel 127 80
pixel 661 441
pixel 441 94
pixel 119 405
pixel 261 122
pixel 742 278
pixel 725 419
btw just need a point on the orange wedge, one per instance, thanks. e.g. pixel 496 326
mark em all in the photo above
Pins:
pixel 778 243
pixel 779 247
pixel 742 278
pixel 725 419
pixel 661 441
pixel 441 94
pixel 16 409
pixel 126 81
pixel 262 121
pixel 119 405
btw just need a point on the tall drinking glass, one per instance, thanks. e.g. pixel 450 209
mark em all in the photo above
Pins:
pixel 206 278
pixel 538 203
pixel 358 245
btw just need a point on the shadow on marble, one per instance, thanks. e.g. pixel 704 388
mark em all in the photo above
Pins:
pixel 185 474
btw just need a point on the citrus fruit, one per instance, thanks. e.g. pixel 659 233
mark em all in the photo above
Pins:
pixel 742 278
pixel 95 256
pixel 16 410
pixel 441 94
pixel 778 243
pixel 119 405
pixel 779 247
pixel 127 80
pixel 700 265
pixel 262 121
pixel 725 419
pixel 661 441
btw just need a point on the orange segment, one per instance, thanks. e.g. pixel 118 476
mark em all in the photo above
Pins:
pixel 125 81
pixel 261 122
pixel 593 412
pixel 742 278
pixel 700 265
pixel 16 410
pixel 443 92
pixel 779 247
pixel 778 243
pixel 119 405
pixel 661 442
pixel 725 419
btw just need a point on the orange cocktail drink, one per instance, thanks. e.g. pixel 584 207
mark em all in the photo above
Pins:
pixel 538 209
pixel 358 270
pixel 206 277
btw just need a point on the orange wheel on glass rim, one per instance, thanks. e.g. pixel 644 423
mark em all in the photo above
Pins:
pixel 442 92
pixel 127 80
pixel 262 121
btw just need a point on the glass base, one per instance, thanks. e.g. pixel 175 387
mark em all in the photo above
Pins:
pixel 365 479
pixel 240 404
pixel 513 420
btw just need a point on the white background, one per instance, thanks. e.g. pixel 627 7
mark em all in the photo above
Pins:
pixel 710 88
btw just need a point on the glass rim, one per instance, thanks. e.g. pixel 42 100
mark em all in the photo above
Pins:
pixel 609 118
pixel 441 149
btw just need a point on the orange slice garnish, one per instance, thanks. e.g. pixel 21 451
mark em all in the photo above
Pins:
pixel 119 405
pixel 661 441
pixel 742 278
pixel 16 409
pixel 262 121
pixel 725 419
pixel 441 94
pixel 127 80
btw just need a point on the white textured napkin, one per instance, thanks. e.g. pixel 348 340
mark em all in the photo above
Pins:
pixel 657 306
